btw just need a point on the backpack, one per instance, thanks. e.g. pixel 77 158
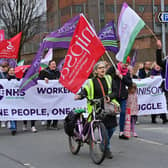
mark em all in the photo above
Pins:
pixel 70 123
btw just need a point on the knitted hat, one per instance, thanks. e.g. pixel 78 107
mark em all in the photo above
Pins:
pixel 128 60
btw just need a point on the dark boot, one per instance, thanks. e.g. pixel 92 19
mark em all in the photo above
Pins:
pixel 153 117
pixel 164 118
pixel 108 154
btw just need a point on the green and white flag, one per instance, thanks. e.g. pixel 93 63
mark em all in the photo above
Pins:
pixel 20 63
pixel 129 25
pixel 48 57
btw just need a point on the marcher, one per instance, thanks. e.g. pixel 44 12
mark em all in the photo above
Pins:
pixel 132 104
pixel 98 84
pixel 3 75
pixel 145 71
pixel 162 64
pixel 24 128
pixel 10 76
pixel 123 80
pixel 50 73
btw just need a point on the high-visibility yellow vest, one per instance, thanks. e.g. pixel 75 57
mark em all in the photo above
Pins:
pixel 89 87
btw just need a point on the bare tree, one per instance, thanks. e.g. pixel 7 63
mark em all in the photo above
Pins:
pixel 21 16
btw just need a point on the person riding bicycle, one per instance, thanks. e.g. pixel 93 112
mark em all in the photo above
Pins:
pixel 94 89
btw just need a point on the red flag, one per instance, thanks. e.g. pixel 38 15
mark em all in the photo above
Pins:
pixel 10 48
pixel 2 35
pixel 84 51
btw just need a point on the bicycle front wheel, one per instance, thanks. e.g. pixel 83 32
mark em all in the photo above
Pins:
pixel 74 145
pixel 98 142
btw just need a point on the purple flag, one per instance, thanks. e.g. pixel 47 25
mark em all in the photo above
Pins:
pixel 32 74
pixel 108 37
pixel 166 76
pixel 62 37
pixel 58 39
pixel 133 61
pixel 12 62
pixel 60 64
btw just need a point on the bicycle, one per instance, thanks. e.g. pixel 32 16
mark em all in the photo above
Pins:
pixel 93 133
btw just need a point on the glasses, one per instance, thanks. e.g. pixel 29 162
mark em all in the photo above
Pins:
pixel 101 67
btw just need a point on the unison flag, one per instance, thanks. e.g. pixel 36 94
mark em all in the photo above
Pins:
pixel 10 48
pixel 84 51
pixel 62 37
pixel 129 25
pixel 108 37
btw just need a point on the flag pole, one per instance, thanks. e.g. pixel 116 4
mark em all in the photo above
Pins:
pixel 110 60
pixel 151 32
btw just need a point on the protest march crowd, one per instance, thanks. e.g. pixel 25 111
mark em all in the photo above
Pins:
pixel 114 82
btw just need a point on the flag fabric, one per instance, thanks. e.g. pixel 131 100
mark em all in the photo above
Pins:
pixel 20 63
pixel 108 37
pixel 32 74
pixel 62 37
pixel 84 51
pixel 60 64
pixel 166 76
pixel 2 35
pixel 133 60
pixel 58 39
pixel 10 48
pixel 12 62
pixel 48 57
pixel 129 25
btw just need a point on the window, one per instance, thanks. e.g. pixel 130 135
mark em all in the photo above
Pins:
pixel 78 8
pixel 141 8
pixel 155 9
pixel 166 8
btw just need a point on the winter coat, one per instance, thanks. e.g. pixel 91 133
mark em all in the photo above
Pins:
pixel 50 74
pixel 121 84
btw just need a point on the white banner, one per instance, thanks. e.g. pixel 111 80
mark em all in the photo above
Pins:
pixel 53 101
pixel 151 99
pixel 42 102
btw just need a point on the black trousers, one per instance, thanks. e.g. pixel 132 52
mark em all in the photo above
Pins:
pixel 32 123
pixel 54 124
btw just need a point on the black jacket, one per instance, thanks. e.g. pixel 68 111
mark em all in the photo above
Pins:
pixel 142 74
pixel 160 61
pixel 121 84
pixel 9 77
pixel 50 74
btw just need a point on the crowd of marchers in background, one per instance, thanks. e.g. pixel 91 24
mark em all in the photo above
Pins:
pixel 114 84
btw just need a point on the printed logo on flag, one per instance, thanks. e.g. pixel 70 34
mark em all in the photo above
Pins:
pixel 10 46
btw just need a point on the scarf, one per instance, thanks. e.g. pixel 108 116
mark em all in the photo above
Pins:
pixel 121 70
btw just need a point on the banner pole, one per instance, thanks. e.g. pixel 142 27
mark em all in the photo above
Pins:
pixel 151 32
pixel 110 60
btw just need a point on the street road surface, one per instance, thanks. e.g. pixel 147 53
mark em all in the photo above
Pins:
pixel 49 149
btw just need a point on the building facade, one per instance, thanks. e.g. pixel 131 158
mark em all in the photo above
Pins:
pixel 103 11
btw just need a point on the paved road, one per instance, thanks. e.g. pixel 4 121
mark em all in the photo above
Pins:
pixel 49 149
